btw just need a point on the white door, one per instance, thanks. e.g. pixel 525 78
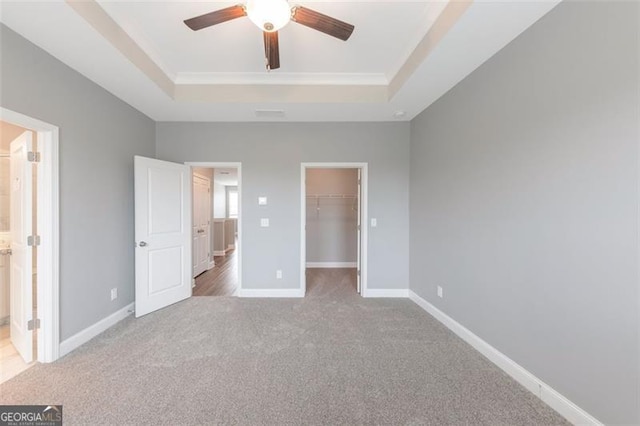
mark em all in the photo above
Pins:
pixel 201 223
pixel 162 232
pixel 21 274
pixel 359 232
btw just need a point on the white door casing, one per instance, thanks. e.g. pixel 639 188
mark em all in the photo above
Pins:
pixel 21 261
pixel 162 233
pixel 201 223
pixel 359 233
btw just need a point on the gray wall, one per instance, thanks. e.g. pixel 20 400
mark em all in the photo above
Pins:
pixel 332 234
pixel 99 135
pixel 271 155
pixel 524 204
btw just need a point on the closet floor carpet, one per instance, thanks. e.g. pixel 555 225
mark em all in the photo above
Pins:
pixel 330 358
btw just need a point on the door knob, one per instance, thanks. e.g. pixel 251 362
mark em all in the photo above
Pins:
pixel 143 244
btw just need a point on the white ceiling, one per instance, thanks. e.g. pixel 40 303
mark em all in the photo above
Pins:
pixel 226 177
pixel 217 74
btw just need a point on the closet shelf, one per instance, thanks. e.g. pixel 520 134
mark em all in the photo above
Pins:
pixel 332 196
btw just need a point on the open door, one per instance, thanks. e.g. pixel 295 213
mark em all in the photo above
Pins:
pixel 21 274
pixel 162 232
pixel 201 224
pixel 359 232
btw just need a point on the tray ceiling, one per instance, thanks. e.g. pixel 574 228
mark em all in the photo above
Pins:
pixel 401 57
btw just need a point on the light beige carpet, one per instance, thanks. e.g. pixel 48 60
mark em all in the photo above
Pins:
pixel 331 358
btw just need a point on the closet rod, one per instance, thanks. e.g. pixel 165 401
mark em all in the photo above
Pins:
pixel 332 196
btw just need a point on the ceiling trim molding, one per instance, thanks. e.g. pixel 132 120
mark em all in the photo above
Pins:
pixel 447 19
pixel 280 78
pixel 280 93
pixel 100 20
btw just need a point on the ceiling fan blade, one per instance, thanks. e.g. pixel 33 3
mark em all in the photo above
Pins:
pixel 271 50
pixel 217 17
pixel 323 23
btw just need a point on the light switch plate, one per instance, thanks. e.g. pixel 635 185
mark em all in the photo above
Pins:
pixel 264 222
pixel 262 201
pixel 374 222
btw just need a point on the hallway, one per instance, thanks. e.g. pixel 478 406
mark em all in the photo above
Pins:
pixel 221 280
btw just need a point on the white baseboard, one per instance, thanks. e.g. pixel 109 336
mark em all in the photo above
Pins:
pixel 219 252
pixel 211 265
pixel 231 247
pixel 90 332
pixel 386 292
pixel 546 393
pixel 270 292
pixel 332 264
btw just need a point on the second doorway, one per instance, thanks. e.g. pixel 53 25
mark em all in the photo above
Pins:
pixel 215 247
pixel 333 213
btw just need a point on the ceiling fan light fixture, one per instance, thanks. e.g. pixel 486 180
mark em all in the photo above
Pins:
pixel 269 15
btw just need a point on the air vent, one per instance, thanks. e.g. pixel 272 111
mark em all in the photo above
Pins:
pixel 269 113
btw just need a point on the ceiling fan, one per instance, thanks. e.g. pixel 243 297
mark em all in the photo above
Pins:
pixel 270 16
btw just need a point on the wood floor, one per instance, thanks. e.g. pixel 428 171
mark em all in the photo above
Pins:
pixel 221 280
pixel 11 363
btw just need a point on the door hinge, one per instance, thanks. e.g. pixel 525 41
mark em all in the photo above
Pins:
pixel 33 324
pixel 33 157
pixel 358 272
pixel 33 240
pixel 358 227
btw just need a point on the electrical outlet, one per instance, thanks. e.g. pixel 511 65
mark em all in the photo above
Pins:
pixel 440 292
pixel 374 222
pixel 264 222
pixel 114 293
pixel 279 274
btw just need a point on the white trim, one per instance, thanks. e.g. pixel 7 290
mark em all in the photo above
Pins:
pixel 92 331
pixel 294 79
pixel 237 165
pixel 364 202
pixel 386 292
pixel 48 264
pixel 212 264
pixel 332 264
pixel 546 393
pixel 270 292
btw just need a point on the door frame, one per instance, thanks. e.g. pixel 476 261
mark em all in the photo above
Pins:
pixel 48 222
pixel 364 237
pixel 227 165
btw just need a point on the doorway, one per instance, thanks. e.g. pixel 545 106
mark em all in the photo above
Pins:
pixel 28 243
pixel 216 229
pixel 333 238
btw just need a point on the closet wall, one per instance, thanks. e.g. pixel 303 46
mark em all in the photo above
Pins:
pixel 332 217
